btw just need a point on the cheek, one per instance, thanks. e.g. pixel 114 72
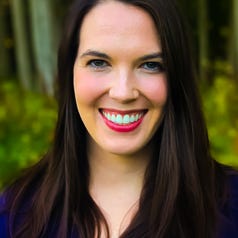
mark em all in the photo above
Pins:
pixel 156 90
pixel 87 88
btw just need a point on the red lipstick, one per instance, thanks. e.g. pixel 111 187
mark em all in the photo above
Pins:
pixel 122 121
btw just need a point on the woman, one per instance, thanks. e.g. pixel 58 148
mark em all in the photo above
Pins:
pixel 131 154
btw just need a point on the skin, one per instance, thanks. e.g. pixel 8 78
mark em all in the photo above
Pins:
pixel 119 68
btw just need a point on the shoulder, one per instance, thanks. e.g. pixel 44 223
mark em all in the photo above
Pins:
pixel 232 200
pixel 228 225
pixel 3 217
pixel 10 217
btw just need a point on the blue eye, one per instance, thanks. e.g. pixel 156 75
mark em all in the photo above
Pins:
pixel 153 66
pixel 97 64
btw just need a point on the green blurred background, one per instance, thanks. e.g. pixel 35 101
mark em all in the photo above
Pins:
pixel 29 36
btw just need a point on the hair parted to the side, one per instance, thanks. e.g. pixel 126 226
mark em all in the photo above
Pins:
pixel 179 196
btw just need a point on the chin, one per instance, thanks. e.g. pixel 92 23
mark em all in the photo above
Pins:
pixel 126 150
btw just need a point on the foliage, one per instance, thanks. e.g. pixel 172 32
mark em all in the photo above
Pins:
pixel 220 105
pixel 27 121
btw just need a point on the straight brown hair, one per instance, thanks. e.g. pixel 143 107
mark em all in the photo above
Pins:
pixel 182 182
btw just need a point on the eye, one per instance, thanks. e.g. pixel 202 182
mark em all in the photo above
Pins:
pixel 97 64
pixel 153 67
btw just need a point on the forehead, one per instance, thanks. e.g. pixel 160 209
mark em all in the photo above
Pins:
pixel 110 12
pixel 119 21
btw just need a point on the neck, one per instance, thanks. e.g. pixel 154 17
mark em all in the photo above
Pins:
pixel 117 173
pixel 108 171
pixel 116 182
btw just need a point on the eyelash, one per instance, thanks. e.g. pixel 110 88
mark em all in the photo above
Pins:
pixel 93 64
pixel 157 66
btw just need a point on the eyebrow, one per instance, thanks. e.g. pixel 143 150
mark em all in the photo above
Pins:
pixel 105 56
pixel 151 56
pixel 95 53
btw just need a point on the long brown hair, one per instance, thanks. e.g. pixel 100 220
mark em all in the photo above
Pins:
pixel 179 197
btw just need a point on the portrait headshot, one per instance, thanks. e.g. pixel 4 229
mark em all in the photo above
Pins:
pixel 131 156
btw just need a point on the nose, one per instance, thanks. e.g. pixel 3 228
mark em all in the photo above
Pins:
pixel 123 88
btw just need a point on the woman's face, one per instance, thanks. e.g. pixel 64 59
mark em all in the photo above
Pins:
pixel 119 79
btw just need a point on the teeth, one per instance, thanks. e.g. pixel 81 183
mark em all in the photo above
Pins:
pixel 132 118
pixel 126 119
pixel 119 119
pixel 122 119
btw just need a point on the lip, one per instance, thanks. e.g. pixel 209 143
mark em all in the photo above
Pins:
pixel 122 120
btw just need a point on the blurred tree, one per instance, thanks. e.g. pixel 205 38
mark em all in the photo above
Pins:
pixel 23 59
pixel 44 42
pixel 197 19
pixel 235 39
pixel 203 39
pixel 5 41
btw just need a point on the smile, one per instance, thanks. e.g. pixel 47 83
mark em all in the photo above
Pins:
pixel 122 121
